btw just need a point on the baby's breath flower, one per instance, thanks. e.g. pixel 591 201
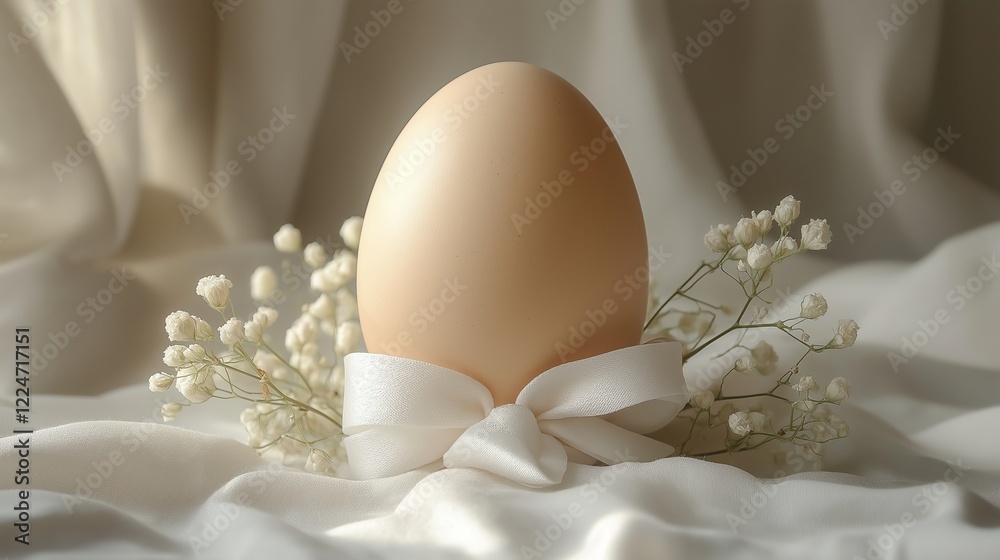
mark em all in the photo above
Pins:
pixel 693 323
pixel 823 431
pixel 815 236
pixel 813 306
pixel 319 462
pixel 265 316
pixel 203 331
pixel 745 364
pixel 159 382
pixel 787 211
pixel 717 240
pixel 324 307
pixel 702 400
pixel 746 232
pixel 252 331
pixel 784 246
pixel 263 283
pixel 739 423
pixel 288 239
pixel 173 356
pixel 841 427
pixel 847 334
pixel 196 384
pixel 347 305
pixel 170 410
pixel 763 220
pixel 232 332
pixel 765 357
pixel 314 255
pixel 348 337
pixel 837 390
pixel 181 326
pixel 215 290
pixel 336 274
pixel 805 384
pixel 759 256
pixel 194 353
pixel 350 231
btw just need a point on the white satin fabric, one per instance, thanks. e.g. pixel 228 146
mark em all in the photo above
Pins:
pixel 889 485
pixel 402 414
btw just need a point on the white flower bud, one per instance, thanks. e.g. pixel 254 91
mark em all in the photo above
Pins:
pixel 173 356
pixel 203 331
pixel 763 220
pixel 195 353
pixel 336 273
pixel 263 283
pixel 787 211
pixel 717 240
pixel 265 316
pixel 759 256
pixel 314 255
pixel 765 357
pixel 784 246
pixel 196 384
pixel 739 424
pixel 741 266
pixel 232 332
pixel 805 384
pixel 348 338
pixel 215 290
pixel 839 426
pixel 252 331
pixel 170 410
pixel 324 307
pixel 347 305
pixel 745 364
pixel 288 239
pixel 702 400
pixel 823 431
pixel 350 231
pixel 746 232
pixel 837 390
pixel 319 462
pixel 815 236
pixel 847 334
pixel 159 382
pixel 813 306
pixel 181 326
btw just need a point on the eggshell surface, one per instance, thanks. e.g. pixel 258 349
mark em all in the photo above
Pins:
pixel 504 234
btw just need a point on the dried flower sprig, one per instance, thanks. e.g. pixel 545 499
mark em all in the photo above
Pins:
pixel 297 401
pixel 744 254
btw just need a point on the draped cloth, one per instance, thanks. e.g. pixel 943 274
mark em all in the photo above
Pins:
pixel 919 475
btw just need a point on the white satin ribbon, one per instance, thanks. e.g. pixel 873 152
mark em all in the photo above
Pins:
pixel 402 414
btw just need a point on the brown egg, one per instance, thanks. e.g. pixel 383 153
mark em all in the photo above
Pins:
pixel 504 234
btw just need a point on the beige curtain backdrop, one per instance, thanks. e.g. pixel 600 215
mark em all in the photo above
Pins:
pixel 880 115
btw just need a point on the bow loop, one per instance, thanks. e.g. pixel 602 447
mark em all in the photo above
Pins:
pixel 402 414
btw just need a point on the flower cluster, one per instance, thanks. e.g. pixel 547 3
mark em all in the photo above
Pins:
pixel 296 397
pixel 743 421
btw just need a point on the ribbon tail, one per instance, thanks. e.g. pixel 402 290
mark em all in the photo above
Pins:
pixel 605 441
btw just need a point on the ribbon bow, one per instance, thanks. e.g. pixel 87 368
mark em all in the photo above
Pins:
pixel 402 414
